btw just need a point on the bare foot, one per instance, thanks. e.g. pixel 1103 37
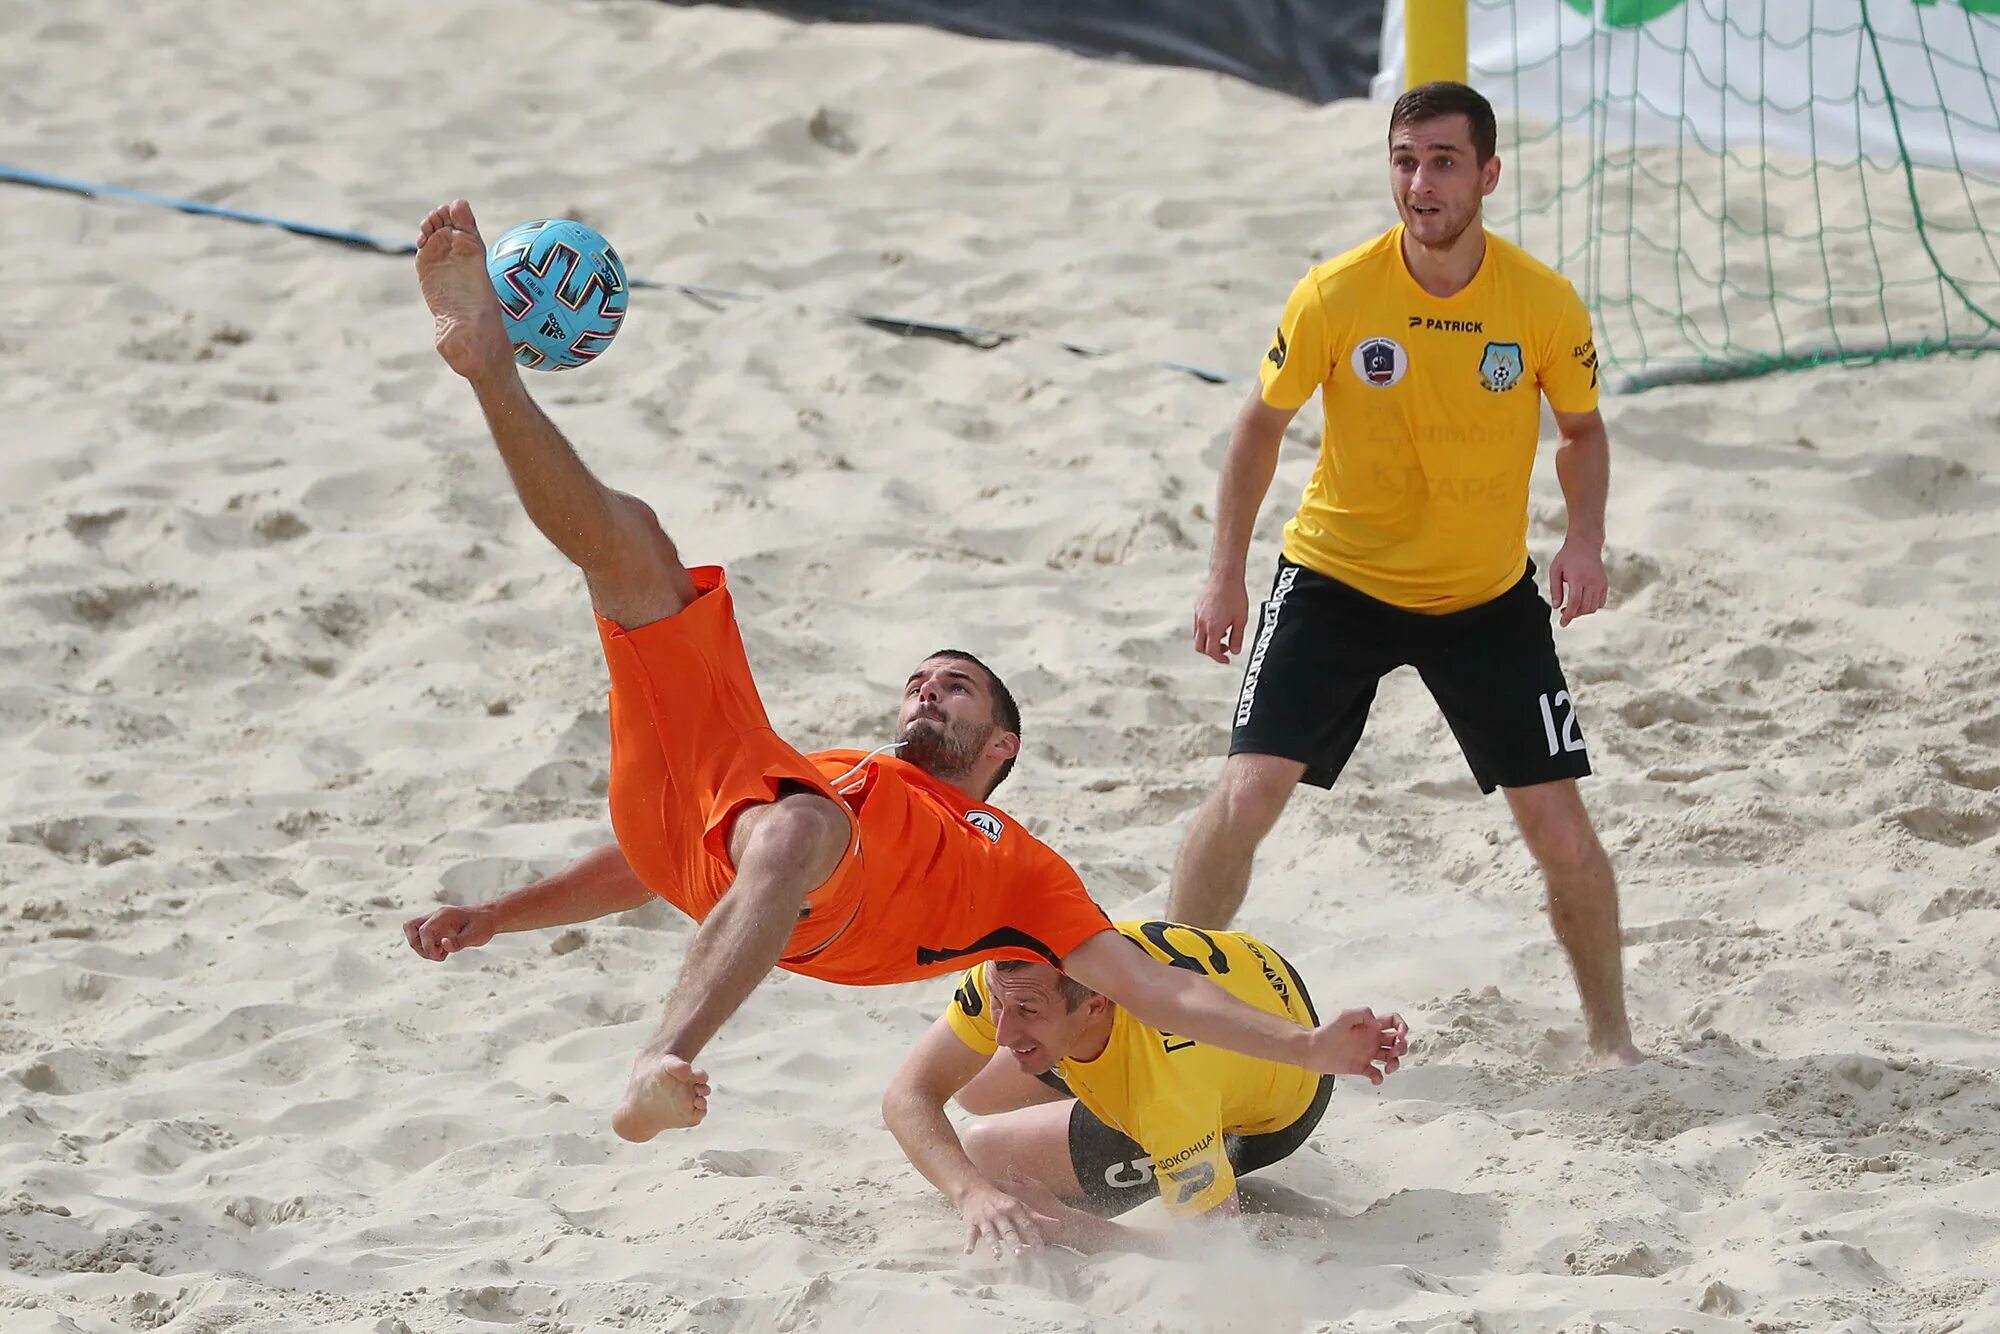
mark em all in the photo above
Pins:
pixel 451 271
pixel 1621 1056
pixel 666 1093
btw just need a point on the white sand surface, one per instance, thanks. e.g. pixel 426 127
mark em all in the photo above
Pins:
pixel 287 664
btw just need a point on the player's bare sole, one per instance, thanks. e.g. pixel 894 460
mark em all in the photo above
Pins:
pixel 666 1093
pixel 451 271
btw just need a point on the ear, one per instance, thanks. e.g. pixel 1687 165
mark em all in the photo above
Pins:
pixel 1489 176
pixel 1004 745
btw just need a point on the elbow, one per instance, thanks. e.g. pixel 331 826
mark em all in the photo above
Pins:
pixel 1259 445
pixel 892 1104
pixel 1593 441
pixel 900 1102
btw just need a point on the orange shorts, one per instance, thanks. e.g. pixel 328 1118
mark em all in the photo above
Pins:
pixel 690 748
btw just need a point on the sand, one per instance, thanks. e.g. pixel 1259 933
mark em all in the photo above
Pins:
pixel 288 665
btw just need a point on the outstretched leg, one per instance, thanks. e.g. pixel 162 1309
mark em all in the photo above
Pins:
pixel 633 571
pixel 783 851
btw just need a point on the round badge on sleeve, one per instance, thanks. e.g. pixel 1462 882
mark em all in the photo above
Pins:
pixel 1380 361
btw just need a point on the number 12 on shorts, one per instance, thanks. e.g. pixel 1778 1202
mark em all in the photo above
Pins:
pixel 1568 738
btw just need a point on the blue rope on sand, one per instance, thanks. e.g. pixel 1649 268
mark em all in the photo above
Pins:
pixel 965 335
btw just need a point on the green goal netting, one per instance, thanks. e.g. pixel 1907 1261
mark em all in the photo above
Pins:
pixel 1786 184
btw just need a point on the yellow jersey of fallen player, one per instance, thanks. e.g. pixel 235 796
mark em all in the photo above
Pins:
pixel 1179 1099
pixel 1433 412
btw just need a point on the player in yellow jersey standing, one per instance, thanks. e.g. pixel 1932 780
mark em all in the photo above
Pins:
pixel 1431 347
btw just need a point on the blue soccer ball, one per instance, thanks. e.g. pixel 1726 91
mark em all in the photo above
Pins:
pixel 562 290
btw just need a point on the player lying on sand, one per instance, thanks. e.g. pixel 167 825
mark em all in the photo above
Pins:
pixel 847 867
pixel 1083 1104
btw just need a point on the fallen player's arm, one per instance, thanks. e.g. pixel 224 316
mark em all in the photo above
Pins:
pixel 599 883
pixel 1086 1232
pixel 1002 1087
pixel 913 1108
pixel 1187 1003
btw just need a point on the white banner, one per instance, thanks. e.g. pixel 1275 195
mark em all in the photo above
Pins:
pixel 1804 76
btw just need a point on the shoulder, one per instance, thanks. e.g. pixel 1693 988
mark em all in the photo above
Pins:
pixel 1010 836
pixel 970 1013
pixel 1361 264
pixel 972 999
pixel 1528 273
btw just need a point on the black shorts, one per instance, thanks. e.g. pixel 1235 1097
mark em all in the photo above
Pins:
pixel 1117 1174
pixel 1321 647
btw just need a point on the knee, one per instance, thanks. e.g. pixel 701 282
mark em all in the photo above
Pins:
pixel 1561 841
pixel 983 1147
pixel 807 829
pixel 1251 797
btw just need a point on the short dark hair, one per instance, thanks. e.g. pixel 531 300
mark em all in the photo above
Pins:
pixel 1005 711
pixel 1073 992
pixel 1428 101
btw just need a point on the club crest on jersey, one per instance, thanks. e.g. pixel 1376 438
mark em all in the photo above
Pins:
pixel 987 823
pixel 1500 367
pixel 1380 361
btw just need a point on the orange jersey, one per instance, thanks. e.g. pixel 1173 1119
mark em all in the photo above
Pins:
pixel 947 879
pixel 932 879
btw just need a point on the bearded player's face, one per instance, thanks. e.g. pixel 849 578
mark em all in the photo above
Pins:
pixel 947 717
pixel 1437 178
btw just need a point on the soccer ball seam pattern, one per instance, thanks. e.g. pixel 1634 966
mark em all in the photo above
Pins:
pixel 562 292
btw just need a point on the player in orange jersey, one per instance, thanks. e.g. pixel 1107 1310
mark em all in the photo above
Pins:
pixel 847 867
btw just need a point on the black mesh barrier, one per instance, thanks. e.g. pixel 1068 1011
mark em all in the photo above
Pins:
pixel 1317 50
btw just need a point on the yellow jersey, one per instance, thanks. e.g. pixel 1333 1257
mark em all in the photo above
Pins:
pixel 1433 412
pixel 1179 1098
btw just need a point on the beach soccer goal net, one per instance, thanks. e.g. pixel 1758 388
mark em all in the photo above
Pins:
pixel 1739 187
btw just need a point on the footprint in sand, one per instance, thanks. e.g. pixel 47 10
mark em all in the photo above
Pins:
pixel 1983 731
pixel 255 1213
pixel 1660 705
pixel 565 780
pixel 1951 824
pixel 186 343
pixel 1969 773
pixel 1611 1248
pixel 1629 572
pixel 1959 900
pixel 1902 486
pixel 66 1071
pixel 482 878
pixel 110 606
pixel 488 1304
pixel 741 1163
pixel 86 838
pixel 91 526
pixel 280 526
